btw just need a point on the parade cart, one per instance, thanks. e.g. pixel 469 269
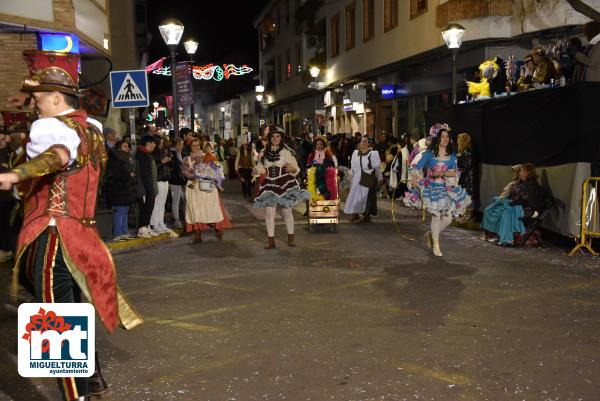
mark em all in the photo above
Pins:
pixel 323 212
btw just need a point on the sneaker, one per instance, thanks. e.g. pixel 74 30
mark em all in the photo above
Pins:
pixel 158 230
pixel 177 224
pixel 128 237
pixel 153 232
pixel 492 239
pixel 144 233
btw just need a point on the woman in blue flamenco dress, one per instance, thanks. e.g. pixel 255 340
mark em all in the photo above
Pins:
pixel 439 192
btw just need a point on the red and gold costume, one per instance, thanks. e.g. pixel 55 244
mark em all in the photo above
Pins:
pixel 59 253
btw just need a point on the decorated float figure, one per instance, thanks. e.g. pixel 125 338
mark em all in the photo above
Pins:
pixel 322 173
pixel 204 208
pixel 60 256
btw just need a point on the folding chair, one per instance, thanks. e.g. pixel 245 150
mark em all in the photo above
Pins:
pixel 532 223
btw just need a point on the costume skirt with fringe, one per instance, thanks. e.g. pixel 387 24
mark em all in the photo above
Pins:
pixel 283 191
pixel 438 198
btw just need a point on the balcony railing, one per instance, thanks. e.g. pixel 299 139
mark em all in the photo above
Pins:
pixel 454 10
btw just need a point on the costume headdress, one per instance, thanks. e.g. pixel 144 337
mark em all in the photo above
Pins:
pixel 51 71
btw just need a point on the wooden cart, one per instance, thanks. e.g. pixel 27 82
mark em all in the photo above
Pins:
pixel 324 212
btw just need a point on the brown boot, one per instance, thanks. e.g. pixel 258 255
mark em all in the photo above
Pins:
pixel 291 242
pixel 270 243
pixel 219 233
pixel 197 237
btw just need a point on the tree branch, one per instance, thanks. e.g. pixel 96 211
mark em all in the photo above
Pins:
pixel 585 9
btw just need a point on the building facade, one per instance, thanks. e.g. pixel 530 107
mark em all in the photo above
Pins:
pixel 384 64
pixel 86 27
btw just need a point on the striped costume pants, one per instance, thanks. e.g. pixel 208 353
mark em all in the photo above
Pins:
pixel 46 275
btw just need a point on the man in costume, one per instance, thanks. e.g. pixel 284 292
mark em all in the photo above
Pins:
pixel 545 71
pixel 59 254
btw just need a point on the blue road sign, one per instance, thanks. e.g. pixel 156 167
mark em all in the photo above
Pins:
pixel 129 88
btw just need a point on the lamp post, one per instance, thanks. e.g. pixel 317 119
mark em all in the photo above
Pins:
pixel 260 90
pixel 190 47
pixel 171 31
pixel 223 115
pixel 314 73
pixel 453 35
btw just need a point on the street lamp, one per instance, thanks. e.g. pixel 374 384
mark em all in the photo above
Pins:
pixel 190 47
pixel 171 31
pixel 453 35
pixel 314 73
pixel 223 114
pixel 260 90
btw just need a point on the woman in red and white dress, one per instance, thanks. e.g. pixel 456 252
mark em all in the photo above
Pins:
pixel 278 186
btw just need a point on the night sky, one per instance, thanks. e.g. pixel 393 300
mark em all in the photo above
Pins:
pixel 223 30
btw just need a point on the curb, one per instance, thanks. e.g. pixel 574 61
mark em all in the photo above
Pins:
pixel 138 242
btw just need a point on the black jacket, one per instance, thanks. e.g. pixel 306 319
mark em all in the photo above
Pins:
pixel 163 169
pixel 177 177
pixel 147 174
pixel 119 184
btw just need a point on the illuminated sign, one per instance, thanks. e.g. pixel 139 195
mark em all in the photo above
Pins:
pixel 58 42
pixel 210 71
pixel 394 91
pixel 348 106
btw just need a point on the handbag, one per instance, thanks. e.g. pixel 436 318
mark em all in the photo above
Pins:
pixel 367 180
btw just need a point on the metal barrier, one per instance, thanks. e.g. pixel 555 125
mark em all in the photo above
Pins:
pixel 590 215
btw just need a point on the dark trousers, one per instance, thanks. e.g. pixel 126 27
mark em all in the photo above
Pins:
pixel 246 175
pixel 5 229
pixel 46 275
pixel 145 211
pixel 371 207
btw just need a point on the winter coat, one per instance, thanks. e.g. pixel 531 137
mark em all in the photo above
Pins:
pixel 147 173
pixel 528 194
pixel 119 185
pixel 163 169
pixel 177 177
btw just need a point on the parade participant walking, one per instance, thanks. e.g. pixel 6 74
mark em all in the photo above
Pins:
pixel 366 175
pixel 204 207
pixel 279 187
pixel 439 191
pixel 60 254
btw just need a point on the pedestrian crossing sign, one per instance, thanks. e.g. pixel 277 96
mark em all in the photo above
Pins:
pixel 129 88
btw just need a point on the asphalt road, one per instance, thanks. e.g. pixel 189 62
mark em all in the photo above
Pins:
pixel 362 314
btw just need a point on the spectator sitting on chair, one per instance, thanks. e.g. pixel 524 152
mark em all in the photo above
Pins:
pixel 520 198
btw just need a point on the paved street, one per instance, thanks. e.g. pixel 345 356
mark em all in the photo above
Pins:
pixel 359 315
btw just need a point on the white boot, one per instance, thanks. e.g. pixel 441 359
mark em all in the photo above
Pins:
pixel 436 248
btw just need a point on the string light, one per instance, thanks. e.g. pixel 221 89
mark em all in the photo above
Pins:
pixel 210 71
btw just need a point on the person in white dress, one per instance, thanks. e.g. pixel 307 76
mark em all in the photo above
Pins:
pixel 362 199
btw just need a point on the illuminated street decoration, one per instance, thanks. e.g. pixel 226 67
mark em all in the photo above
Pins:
pixel 210 71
